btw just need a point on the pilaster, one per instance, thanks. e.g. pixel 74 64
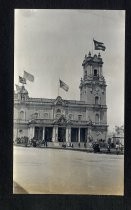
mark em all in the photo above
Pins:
pixel 43 133
pixel 78 134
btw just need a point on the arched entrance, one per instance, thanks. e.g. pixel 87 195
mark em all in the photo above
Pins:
pixel 61 134
pixel 38 133
pixel 83 135
pixel 74 134
pixel 48 134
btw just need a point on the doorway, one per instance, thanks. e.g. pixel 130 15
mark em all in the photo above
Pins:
pixel 61 134
pixel 48 134
pixel 74 134
pixel 38 133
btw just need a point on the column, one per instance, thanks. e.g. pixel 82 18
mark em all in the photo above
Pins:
pixel 31 132
pixel 90 69
pixel 78 134
pixel 53 137
pixel 101 70
pixel 55 134
pixel 43 138
pixel 86 135
pixel 67 134
pixel 89 133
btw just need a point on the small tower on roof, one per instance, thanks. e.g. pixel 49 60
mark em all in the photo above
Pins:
pixel 22 93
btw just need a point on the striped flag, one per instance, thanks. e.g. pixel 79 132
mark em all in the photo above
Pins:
pixel 99 45
pixel 63 85
pixel 28 76
pixel 22 80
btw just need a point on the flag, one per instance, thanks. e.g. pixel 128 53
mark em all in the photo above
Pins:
pixel 22 80
pixel 28 76
pixel 18 88
pixel 99 45
pixel 63 85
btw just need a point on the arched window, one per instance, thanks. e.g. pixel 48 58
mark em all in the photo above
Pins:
pixel 95 72
pixel 97 119
pixel 35 115
pixel 21 115
pixel 70 116
pixel 79 117
pixel 58 111
pixel 96 100
pixel 45 115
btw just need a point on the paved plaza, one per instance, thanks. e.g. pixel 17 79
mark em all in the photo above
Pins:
pixel 53 171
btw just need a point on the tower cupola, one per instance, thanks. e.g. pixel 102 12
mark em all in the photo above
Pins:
pixel 22 93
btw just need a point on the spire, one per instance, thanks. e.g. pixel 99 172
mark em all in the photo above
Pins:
pixel 89 55
pixel 99 55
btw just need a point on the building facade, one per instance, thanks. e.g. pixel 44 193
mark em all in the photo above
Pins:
pixel 59 120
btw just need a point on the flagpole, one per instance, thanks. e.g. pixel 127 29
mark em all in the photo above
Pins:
pixel 92 46
pixel 66 96
pixel 58 86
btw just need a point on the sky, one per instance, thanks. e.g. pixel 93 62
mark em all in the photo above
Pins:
pixel 51 44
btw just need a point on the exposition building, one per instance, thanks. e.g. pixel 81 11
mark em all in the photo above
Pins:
pixel 59 120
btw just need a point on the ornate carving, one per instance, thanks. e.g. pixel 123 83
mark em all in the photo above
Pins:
pixel 59 101
pixel 62 121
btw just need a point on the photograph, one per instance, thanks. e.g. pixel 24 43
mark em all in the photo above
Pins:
pixel 68 118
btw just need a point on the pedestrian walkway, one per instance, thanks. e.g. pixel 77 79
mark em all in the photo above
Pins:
pixel 76 148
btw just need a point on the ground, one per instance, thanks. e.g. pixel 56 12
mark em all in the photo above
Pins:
pixel 54 171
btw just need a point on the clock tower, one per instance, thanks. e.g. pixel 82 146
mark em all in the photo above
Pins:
pixel 93 84
pixel 93 94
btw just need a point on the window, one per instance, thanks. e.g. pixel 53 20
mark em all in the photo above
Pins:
pixel 85 73
pixel 79 117
pixel 102 116
pixel 22 97
pixel 96 100
pixel 58 111
pixel 45 115
pixel 95 72
pixel 35 115
pixel 70 116
pixel 21 115
pixel 97 119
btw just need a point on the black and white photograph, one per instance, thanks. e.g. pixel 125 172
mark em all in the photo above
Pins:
pixel 68 123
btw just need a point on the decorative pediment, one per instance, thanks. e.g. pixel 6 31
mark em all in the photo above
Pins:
pixel 62 121
pixel 59 101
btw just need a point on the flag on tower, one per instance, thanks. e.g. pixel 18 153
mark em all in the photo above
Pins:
pixel 99 45
pixel 63 85
pixel 28 76
pixel 22 80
